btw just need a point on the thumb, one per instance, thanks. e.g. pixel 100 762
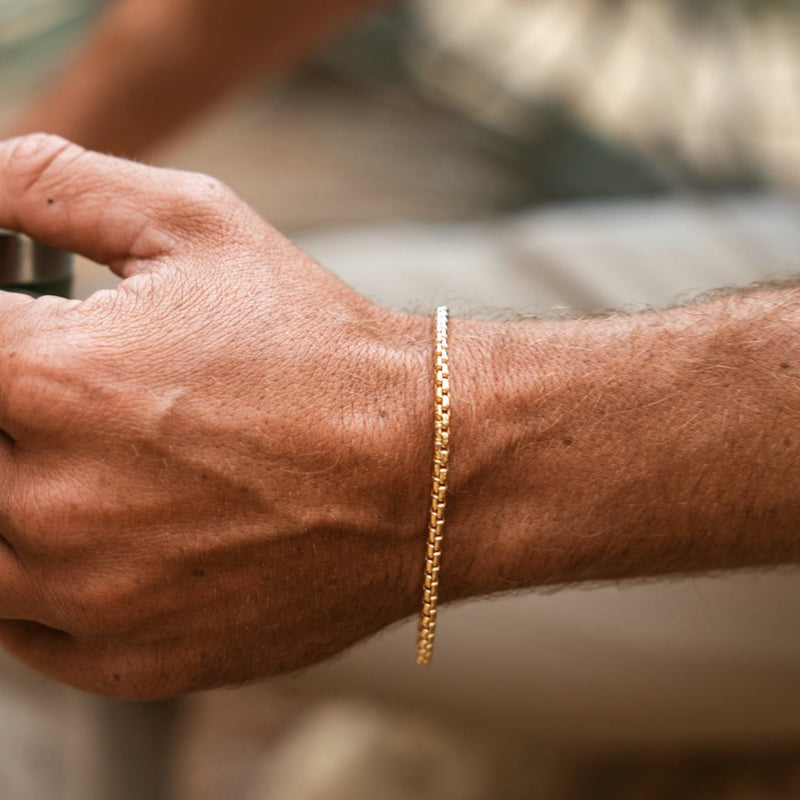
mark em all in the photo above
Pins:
pixel 111 210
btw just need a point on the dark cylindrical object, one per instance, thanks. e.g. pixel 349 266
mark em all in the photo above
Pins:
pixel 33 268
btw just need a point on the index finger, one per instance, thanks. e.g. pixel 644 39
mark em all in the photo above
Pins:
pixel 108 209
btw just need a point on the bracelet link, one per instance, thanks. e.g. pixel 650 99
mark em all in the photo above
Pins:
pixel 441 457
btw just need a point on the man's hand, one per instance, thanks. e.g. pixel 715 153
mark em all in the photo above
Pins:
pixel 221 469
pixel 214 472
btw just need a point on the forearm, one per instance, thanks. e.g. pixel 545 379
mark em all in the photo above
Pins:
pixel 151 66
pixel 629 446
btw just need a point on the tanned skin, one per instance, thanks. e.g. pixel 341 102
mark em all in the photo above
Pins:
pixel 220 469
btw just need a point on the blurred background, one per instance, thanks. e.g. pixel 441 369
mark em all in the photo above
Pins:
pixel 494 154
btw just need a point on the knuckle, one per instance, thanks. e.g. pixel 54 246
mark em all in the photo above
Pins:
pixel 43 511
pixel 206 188
pixel 99 604
pixel 201 205
pixel 19 389
pixel 41 388
pixel 97 608
pixel 34 519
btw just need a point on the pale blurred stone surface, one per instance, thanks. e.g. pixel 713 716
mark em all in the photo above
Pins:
pixel 32 747
pixel 60 744
pixel 345 750
pixel 281 745
pixel 259 744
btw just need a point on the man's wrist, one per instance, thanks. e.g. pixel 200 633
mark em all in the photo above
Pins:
pixel 504 380
pixel 601 449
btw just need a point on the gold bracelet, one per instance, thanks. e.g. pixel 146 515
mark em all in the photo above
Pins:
pixel 441 456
